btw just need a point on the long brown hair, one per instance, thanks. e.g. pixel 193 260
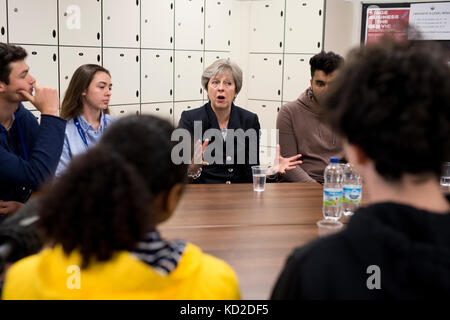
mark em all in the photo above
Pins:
pixel 72 105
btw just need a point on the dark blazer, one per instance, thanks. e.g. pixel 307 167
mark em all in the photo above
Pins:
pixel 232 168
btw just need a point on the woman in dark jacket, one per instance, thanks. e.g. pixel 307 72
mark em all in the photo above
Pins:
pixel 232 147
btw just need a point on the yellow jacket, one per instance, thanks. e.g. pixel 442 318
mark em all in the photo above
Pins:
pixel 53 275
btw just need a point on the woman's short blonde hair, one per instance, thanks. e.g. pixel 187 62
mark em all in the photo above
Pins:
pixel 223 65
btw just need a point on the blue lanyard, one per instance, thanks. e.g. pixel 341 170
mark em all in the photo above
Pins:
pixel 81 131
pixel 22 142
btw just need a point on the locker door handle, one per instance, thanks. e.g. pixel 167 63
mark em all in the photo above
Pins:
pixel 171 39
pixel 170 91
pixel 98 35
pixel 3 31
pixel 54 57
pixel 318 44
pixel 98 58
pixel 54 33
pixel 137 93
pixel 170 110
pixel 279 92
pixel 320 13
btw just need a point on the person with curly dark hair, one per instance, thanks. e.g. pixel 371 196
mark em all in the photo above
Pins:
pixel 301 129
pixel 100 219
pixel 392 104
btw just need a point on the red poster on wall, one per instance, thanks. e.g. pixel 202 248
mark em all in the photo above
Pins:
pixel 382 20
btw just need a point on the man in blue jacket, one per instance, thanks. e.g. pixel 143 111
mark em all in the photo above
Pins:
pixel 29 152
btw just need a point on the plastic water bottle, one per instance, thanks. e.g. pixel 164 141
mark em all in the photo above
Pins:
pixel 332 190
pixel 352 187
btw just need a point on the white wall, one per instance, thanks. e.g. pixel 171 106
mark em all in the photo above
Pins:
pixel 339 26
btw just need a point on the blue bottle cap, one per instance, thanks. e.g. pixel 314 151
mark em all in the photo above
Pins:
pixel 334 160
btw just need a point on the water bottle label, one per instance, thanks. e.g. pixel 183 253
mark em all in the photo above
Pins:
pixel 352 194
pixel 332 197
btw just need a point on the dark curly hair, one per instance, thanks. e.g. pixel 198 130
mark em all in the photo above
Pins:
pixel 8 54
pixel 325 61
pixel 393 100
pixel 102 203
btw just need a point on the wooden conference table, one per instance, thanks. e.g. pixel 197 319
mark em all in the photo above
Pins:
pixel 253 231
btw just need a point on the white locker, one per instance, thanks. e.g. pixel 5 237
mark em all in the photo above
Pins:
pixel 266 26
pixel 43 63
pixel 126 110
pixel 80 24
pixel 188 73
pixel 157 24
pixel 70 58
pixel 210 57
pixel 156 75
pixel 265 76
pixel 21 13
pixel 123 64
pixel 267 112
pixel 3 24
pixel 189 22
pixel 161 110
pixel 218 25
pixel 121 23
pixel 179 107
pixel 304 26
pixel 297 73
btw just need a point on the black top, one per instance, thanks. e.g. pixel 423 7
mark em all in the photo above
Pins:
pixel 410 246
pixel 234 166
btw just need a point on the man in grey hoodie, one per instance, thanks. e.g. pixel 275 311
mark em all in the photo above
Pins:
pixel 301 129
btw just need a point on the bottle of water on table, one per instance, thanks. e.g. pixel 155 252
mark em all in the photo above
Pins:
pixel 332 190
pixel 352 187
